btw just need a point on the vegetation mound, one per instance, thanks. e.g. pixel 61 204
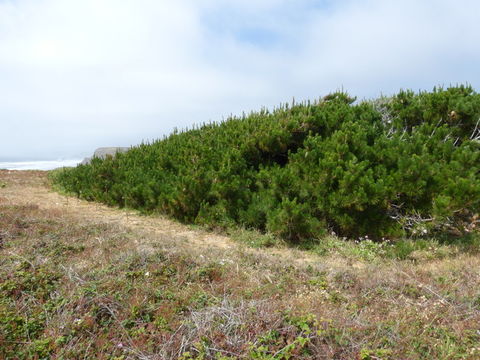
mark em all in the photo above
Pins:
pixel 402 165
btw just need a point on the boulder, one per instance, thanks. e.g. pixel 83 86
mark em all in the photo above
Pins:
pixel 103 152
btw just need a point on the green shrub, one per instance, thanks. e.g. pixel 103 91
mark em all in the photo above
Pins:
pixel 405 165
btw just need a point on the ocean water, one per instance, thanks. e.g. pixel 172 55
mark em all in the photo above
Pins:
pixel 38 165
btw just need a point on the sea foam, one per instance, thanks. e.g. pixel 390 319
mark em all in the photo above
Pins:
pixel 37 165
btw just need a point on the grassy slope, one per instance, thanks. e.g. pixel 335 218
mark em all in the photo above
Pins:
pixel 71 288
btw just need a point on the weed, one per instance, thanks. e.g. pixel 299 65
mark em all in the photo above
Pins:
pixel 74 288
pixel 254 238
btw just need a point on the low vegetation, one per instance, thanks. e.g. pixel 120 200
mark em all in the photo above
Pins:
pixel 397 177
pixel 74 288
pixel 407 165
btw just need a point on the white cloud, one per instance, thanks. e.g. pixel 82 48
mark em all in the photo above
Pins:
pixel 67 33
pixel 76 74
pixel 374 46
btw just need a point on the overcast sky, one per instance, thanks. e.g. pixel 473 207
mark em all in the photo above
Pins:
pixel 80 74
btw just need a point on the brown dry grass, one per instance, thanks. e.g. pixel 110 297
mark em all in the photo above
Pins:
pixel 137 287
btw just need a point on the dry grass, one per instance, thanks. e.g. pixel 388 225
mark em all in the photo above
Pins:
pixel 82 281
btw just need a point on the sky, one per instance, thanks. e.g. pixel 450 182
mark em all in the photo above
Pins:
pixel 80 74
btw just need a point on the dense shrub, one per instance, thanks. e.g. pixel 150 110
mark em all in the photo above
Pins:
pixel 404 165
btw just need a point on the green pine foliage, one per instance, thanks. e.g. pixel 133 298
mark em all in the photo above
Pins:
pixel 402 165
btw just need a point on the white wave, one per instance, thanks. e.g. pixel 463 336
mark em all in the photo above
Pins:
pixel 37 165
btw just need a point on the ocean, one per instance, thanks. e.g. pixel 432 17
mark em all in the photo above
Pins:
pixel 37 165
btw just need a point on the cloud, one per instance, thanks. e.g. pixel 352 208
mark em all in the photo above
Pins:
pixel 373 46
pixel 81 74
